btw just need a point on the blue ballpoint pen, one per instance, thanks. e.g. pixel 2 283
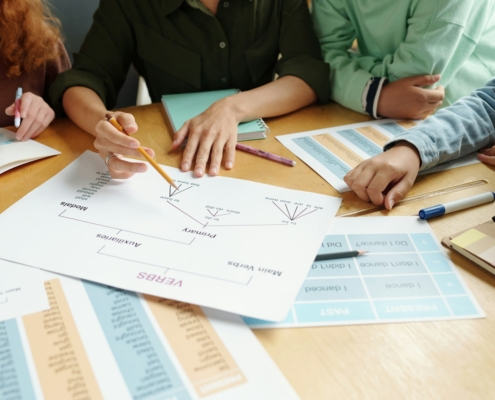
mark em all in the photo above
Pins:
pixel 441 209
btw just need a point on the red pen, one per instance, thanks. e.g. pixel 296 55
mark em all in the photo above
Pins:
pixel 265 154
pixel 17 109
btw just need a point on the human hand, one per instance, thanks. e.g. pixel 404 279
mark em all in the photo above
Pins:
pixel 110 141
pixel 210 132
pixel 387 177
pixel 36 115
pixel 487 155
pixel 406 99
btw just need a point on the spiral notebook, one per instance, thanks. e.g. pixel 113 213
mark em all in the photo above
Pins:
pixel 182 107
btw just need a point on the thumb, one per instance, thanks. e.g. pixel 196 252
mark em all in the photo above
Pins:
pixel 397 192
pixel 127 121
pixel 180 135
pixel 425 80
pixel 440 89
pixel 10 109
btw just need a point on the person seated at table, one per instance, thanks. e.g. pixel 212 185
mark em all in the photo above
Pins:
pixel 182 46
pixel 466 126
pixel 412 56
pixel 31 56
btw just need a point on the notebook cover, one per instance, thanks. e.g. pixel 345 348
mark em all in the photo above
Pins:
pixel 182 107
pixel 476 243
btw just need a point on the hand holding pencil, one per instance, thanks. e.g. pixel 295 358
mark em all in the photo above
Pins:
pixel 111 143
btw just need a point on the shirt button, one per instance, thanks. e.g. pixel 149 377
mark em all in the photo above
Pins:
pixel 223 79
pixel 225 4
pixel 222 45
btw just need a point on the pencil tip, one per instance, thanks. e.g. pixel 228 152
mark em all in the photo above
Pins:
pixel 361 252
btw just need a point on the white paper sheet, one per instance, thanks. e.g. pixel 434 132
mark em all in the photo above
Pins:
pixel 224 243
pixel 98 342
pixel 333 152
pixel 405 276
pixel 14 153
pixel 21 290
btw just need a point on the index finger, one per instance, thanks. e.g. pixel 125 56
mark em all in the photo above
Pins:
pixel 106 131
pixel 378 185
pixel 26 101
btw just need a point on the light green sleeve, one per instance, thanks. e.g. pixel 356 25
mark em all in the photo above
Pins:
pixel 441 36
pixel 336 34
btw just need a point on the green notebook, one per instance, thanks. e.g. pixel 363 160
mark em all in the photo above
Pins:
pixel 181 107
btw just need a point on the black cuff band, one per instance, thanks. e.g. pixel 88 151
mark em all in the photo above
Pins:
pixel 370 97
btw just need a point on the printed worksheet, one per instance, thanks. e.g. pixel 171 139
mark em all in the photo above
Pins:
pixel 405 276
pixel 21 290
pixel 333 152
pixel 99 342
pixel 14 152
pixel 225 243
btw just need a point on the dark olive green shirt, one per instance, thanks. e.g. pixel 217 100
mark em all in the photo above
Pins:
pixel 178 47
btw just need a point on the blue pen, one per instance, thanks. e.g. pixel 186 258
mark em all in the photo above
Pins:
pixel 441 209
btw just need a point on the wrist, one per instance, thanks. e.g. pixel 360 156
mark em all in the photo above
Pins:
pixel 411 150
pixel 371 95
pixel 233 107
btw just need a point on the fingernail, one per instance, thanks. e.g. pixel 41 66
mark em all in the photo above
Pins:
pixel 213 171
pixel 134 145
pixel 142 168
pixel 391 204
pixel 185 166
pixel 229 164
pixel 199 171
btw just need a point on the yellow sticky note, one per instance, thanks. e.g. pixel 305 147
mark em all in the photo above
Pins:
pixel 468 237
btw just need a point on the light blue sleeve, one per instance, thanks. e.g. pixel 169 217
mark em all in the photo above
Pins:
pixel 465 126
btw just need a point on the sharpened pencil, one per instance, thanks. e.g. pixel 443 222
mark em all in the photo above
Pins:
pixel 342 254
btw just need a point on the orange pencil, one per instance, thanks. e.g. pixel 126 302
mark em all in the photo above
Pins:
pixel 115 123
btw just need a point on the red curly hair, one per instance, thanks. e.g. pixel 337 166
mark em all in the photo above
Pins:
pixel 28 35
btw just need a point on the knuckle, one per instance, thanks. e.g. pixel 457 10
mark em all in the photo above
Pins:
pixel 216 151
pixel 373 190
pixel 31 113
pixel 357 187
pixel 195 131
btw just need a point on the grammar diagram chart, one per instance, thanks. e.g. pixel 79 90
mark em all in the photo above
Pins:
pixel 333 152
pixel 405 276
pixel 219 242
pixel 98 342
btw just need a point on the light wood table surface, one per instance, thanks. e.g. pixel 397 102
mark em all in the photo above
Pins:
pixel 421 360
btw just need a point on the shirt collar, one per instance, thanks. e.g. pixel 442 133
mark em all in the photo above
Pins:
pixel 168 6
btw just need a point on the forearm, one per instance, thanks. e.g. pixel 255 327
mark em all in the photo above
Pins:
pixel 466 126
pixel 84 107
pixel 279 97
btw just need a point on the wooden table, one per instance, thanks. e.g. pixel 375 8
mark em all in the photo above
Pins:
pixel 428 360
